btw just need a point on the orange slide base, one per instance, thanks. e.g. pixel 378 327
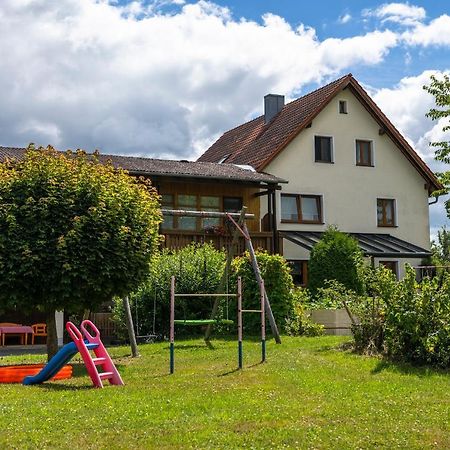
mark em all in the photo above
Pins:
pixel 16 374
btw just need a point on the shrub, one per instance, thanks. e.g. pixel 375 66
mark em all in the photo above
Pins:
pixel 197 268
pixel 403 319
pixel 335 257
pixel 298 322
pixel 277 281
pixel 418 321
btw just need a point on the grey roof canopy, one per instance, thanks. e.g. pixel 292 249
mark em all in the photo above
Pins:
pixel 371 244
pixel 172 168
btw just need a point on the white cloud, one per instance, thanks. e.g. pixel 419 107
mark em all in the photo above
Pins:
pixel 401 13
pixel 132 79
pixel 345 18
pixel 437 32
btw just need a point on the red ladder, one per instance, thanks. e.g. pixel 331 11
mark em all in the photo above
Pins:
pixel 92 341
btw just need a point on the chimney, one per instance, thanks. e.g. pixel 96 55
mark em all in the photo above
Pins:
pixel 273 104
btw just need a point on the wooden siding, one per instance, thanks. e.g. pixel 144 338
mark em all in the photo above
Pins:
pixel 179 239
pixel 176 186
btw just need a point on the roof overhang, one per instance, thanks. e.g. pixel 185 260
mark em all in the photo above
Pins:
pixel 371 244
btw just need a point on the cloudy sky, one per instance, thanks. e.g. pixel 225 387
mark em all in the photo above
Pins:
pixel 165 78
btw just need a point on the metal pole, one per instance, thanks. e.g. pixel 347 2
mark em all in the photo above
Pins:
pixel 224 278
pixel 268 309
pixel 239 319
pixel 263 321
pixel 172 323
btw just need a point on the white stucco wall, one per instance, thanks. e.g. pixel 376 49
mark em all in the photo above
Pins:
pixel 350 192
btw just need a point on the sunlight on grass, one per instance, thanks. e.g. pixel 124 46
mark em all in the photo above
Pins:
pixel 309 394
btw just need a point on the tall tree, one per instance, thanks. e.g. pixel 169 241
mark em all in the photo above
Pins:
pixel 73 232
pixel 336 256
pixel 440 90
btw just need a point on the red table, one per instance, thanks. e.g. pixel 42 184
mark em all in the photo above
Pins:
pixel 21 330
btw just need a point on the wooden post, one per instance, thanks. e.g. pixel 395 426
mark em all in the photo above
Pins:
pixel 263 322
pixel 223 280
pixel 273 325
pixel 172 323
pixel 239 321
pixel 130 327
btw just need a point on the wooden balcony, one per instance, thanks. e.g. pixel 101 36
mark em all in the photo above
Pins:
pixel 179 239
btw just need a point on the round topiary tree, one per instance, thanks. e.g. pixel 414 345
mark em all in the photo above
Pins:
pixel 335 257
pixel 73 232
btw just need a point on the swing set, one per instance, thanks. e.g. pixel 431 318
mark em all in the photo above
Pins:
pixel 240 312
pixel 240 229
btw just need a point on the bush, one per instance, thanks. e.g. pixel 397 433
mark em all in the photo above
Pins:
pixel 277 281
pixel 298 322
pixel 403 319
pixel 335 257
pixel 197 268
pixel 417 323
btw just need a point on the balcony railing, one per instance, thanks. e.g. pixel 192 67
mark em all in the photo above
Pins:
pixel 179 239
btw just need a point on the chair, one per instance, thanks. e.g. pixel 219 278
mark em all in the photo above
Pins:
pixel 39 329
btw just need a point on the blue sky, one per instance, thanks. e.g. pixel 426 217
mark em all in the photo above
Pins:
pixel 165 78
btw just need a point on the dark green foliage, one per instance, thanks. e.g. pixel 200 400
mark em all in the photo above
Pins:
pixel 197 268
pixel 278 283
pixel 73 232
pixel 418 321
pixel 335 257
pixel 403 319
pixel 440 90
pixel 441 248
pixel 298 322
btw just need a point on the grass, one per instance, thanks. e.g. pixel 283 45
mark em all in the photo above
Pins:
pixel 309 394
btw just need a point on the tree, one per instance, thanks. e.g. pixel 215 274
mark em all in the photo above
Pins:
pixel 335 257
pixel 73 232
pixel 441 248
pixel 440 89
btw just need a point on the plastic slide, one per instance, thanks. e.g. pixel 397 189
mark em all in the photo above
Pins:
pixel 64 355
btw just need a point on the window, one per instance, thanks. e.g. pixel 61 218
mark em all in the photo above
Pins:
pixel 195 203
pixel 342 106
pixel 232 204
pixel 301 208
pixel 364 153
pixel 187 202
pixel 323 149
pixel 210 203
pixel 167 202
pixel 386 212
pixel 392 266
pixel 299 272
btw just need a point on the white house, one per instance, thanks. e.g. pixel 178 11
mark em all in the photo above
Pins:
pixel 346 165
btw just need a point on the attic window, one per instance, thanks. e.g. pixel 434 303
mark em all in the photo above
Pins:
pixel 224 158
pixel 342 106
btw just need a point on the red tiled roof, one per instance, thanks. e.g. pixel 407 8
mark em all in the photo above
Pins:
pixel 256 143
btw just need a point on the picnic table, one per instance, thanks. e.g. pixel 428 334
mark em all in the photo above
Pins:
pixel 15 330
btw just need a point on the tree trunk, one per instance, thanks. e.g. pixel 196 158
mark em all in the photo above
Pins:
pixel 52 337
pixel 131 334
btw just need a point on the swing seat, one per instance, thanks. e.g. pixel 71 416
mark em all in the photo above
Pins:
pixel 194 323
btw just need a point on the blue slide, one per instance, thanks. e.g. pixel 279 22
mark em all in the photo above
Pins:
pixel 64 355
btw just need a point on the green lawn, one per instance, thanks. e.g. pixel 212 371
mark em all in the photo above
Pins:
pixel 309 394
